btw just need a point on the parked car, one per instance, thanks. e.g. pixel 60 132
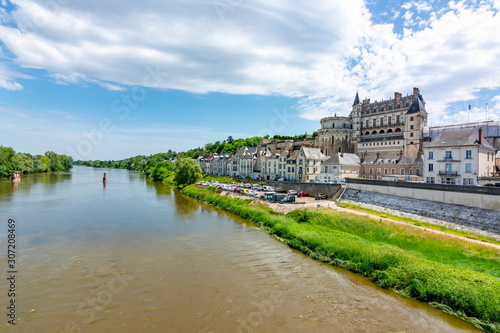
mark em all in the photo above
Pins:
pixel 268 195
pixel 257 187
pixel 279 190
pixel 251 193
pixel 302 194
pixel 288 198
pixel 276 197
pixel 320 196
pixel 291 192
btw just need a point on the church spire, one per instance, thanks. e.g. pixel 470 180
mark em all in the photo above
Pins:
pixel 356 99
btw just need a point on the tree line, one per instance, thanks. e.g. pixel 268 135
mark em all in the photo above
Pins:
pixel 26 163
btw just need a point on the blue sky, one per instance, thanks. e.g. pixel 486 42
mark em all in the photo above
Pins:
pixel 113 79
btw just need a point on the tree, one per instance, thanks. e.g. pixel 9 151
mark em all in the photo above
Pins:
pixel 6 155
pixel 23 162
pixel 187 171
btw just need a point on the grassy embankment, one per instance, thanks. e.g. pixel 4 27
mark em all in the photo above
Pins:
pixel 462 233
pixel 456 276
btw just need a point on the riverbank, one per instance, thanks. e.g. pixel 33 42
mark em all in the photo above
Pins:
pixel 459 277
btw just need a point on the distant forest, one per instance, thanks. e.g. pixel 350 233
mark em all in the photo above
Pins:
pixel 27 163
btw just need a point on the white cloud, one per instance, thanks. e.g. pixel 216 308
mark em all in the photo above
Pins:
pixel 320 51
pixel 10 85
pixel 242 47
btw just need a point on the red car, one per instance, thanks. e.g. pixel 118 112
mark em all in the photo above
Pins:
pixel 302 194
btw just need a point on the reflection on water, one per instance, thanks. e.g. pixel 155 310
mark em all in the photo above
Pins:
pixel 140 257
pixel 184 204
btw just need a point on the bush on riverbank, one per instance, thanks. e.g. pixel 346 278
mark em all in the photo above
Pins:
pixel 463 277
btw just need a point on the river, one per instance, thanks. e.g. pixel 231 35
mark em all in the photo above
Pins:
pixel 138 256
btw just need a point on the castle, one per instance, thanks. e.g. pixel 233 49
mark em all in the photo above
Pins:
pixel 383 134
pixel 380 140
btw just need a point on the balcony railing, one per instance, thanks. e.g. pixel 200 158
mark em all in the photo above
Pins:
pixel 448 159
pixel 449 173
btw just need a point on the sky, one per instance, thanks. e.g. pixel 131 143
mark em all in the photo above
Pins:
pixel 113 79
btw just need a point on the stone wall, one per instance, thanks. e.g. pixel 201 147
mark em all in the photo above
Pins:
pixel 472 196
pixel 473 217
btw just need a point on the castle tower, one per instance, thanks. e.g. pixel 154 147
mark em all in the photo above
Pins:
pixel 355 116
pixel 415 121
pixel 335 135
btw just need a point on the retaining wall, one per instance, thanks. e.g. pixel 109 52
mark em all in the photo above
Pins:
pixel 471 196
pixel 477 218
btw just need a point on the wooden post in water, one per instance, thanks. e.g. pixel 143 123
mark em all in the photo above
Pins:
pixel 105 177
pixel 16 175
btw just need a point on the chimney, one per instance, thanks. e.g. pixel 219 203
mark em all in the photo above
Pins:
pixel 397 96
pixel 400 154
pixel 416 91
pixel 480 139
pixel 378 155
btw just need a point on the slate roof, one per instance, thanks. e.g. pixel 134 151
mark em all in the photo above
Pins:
pixel 458 137
pixel 346 159
pixel 314 154
pixel 417 105
pixel 356 99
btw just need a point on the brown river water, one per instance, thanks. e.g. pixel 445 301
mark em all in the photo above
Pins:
pixel 138 256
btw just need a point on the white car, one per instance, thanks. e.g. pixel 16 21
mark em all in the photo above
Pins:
pixel 291 192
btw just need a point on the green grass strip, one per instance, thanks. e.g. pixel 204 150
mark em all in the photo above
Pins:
pixel 462 280
pixel 463 233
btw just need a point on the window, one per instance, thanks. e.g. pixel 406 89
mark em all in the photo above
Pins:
pixel 411 118
pixel 468 167
pixel 450 181
pixel 402 171
pixel 448 155
pixel 431 155
pixel 378 170
pixel 468 154
pixel 430 180
pixel 431 167
pixel 326 168
pixel 411 135
pixel 411 126
pixel 393 171
pixel 386 171
pixel 371 171
pixel 447 168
